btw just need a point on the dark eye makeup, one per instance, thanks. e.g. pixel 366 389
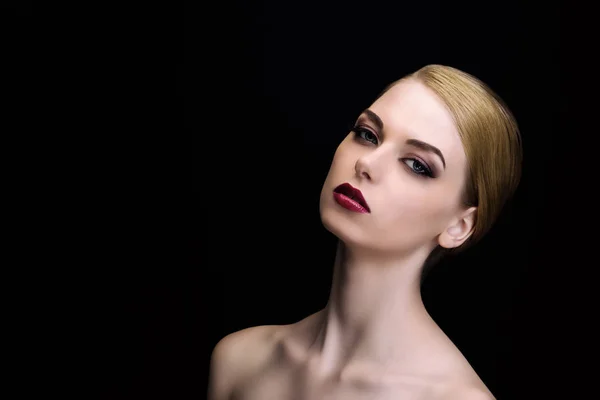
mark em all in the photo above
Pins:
pixel 366 136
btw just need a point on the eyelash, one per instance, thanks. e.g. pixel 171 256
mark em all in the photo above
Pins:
pixel 359 131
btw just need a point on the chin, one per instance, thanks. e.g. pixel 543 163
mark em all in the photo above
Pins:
pixel 339 221
pixel 341 226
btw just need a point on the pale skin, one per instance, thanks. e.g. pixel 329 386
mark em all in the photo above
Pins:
pixel 374 339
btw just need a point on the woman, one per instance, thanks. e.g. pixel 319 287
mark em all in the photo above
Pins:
pixel 425 172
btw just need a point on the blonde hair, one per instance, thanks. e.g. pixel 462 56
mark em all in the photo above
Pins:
pixel 491 140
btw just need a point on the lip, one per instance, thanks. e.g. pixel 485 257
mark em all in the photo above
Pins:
pixel 351 198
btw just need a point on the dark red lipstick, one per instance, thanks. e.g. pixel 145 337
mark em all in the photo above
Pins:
pixel 350 198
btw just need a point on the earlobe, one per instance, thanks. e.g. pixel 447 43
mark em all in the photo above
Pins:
pixel 449 238
pixel 457 233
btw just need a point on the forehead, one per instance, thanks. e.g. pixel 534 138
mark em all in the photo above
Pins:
pixel 411 110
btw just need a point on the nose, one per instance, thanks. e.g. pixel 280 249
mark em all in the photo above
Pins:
pixel 362 168
pixel 370 165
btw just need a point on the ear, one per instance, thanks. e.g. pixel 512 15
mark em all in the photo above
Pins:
pixel 459 230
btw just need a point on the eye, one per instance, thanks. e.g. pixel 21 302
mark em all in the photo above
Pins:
pixel 364 134
pixel 419 168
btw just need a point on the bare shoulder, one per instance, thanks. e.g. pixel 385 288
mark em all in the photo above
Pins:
pixel 465 392
pixel 237 356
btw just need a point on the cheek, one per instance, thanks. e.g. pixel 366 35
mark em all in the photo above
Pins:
pixel 336 169
pixel 420 211
pixel 343 160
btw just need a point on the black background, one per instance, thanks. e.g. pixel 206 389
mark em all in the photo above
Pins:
pixel 268 89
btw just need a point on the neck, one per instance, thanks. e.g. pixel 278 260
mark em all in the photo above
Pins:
pixel 375 311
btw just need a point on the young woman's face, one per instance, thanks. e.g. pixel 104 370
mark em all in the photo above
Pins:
pixel 412 194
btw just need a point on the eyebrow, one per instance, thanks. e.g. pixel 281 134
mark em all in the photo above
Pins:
pixel 374 118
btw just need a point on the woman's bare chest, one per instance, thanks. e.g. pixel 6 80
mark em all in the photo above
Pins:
pixel 283 384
